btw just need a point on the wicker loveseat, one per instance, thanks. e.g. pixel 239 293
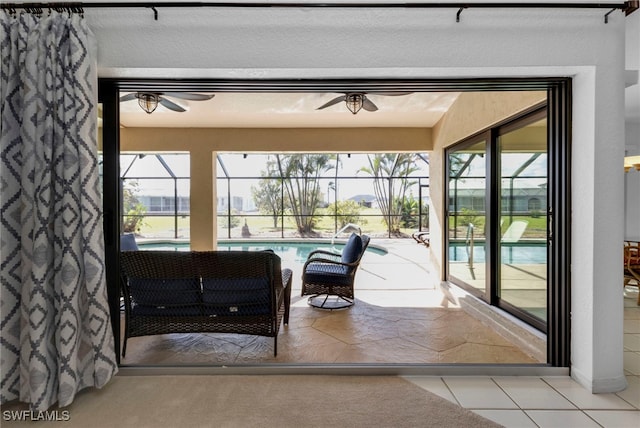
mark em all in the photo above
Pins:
pixel 243 292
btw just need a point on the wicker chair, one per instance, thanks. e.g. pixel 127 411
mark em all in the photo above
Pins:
pixel 632 265
pixel 326 274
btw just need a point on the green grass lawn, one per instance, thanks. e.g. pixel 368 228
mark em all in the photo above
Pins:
pixel 370 221
pixel 536 226
pixel 153 226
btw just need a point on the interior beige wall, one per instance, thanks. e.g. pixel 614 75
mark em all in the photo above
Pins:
pixel 204 143
pixel 471 113
pixel 308 140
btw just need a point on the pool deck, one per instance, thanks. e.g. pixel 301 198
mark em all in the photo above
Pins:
pixel 401 315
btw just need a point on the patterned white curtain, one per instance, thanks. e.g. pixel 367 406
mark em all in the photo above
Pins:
pixel 55 336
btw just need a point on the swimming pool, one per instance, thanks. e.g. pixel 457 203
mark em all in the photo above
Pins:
pixel 511 253
pixel 289 251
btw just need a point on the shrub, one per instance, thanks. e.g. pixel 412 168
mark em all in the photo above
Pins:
pixel 347 212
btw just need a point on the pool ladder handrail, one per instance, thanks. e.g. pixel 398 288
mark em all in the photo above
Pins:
pixel 348 226
pixel 470 243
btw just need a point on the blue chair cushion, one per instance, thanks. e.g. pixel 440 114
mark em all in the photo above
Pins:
pixel 352 249
pixel 128 242
pixel 156 292
pixel 325 273
pixel 236 296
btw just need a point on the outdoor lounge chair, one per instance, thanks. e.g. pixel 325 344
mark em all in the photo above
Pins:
pixel 326 274
pixel 514 231
pixel 422 237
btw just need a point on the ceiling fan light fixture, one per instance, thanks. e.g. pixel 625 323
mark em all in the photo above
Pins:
pixel 148 102
pixel 354 102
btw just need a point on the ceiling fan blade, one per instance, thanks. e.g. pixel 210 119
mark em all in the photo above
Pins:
pixel 188 96
pixel 334 101
pixel 171 105
pixel 390 94
pixel 128 97
pixel 368 105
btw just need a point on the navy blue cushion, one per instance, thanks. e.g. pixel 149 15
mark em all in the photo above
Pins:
pixel 352 249
pixel 128 242
pixel 167 311
pixel 236 296
pixel 326 269
pixel 165 292
pixel 324 273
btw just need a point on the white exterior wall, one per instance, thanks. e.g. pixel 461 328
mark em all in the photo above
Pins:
pixel 378 43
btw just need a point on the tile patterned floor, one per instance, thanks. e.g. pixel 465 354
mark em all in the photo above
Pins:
pixel 550 401
pixel 365 333
pixel 400 316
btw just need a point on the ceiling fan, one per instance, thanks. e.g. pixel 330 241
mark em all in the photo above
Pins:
pixel 358 100
pixel 149 101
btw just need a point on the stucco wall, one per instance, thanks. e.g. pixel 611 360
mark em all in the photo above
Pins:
pixel 403 43
pixel 239 140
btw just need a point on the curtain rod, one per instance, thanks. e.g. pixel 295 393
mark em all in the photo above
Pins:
pixel 626 6
pixel 277 4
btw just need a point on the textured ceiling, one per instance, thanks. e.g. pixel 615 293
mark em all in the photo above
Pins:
pixel 292 110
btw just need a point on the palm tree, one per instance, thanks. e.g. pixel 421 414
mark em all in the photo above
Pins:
pixel 268 194
pixel 391 172
pixel 300 177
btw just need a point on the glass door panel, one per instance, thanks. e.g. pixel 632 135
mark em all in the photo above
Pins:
pixel 523 218
pixel 467 243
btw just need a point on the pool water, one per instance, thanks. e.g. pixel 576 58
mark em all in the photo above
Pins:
pixel 534 253
pixel 289 251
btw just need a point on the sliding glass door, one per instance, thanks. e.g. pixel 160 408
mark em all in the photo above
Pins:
pixel 467 219
pixel 497 241
pixel 522 155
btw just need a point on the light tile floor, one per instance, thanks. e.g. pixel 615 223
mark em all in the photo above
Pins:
pixel 561 402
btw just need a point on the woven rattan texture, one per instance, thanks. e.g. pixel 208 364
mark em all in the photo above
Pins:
pixel 240 292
